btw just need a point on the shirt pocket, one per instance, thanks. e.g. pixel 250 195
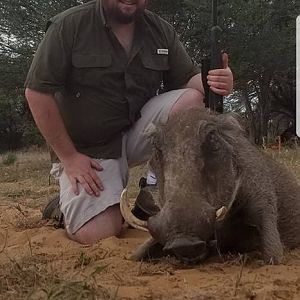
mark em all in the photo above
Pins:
pixel 156 62
pixel 90 69
pixel 155 66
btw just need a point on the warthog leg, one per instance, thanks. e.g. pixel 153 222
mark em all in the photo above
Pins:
pixel 271 245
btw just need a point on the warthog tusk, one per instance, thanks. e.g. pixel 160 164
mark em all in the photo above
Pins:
pixel 221 213
pixel 129 217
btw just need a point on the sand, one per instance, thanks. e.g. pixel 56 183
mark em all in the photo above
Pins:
pixel 31 244
pixel 39 262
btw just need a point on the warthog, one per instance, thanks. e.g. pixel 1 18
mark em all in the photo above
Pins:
pixel 217 190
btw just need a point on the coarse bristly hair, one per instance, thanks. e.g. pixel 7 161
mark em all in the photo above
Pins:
pixel 205 161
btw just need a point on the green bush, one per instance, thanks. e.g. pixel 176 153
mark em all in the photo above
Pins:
pixel 32 136
pixel 9 159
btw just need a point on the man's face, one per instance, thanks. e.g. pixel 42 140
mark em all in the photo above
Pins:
pixel 124 11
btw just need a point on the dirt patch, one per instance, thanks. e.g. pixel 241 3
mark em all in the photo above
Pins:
pixel 40 262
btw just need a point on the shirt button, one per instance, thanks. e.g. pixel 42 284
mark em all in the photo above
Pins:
pixel 78 95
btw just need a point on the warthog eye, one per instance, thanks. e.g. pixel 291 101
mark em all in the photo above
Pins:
pixel 212 141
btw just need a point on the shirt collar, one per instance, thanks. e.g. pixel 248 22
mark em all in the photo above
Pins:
pixel 99 8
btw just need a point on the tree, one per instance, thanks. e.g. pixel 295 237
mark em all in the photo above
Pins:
pixel 262 45
pixel 259 36
pixel 22 25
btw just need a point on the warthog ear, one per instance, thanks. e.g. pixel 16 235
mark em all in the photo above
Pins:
pixel 231 122
pixel 230 126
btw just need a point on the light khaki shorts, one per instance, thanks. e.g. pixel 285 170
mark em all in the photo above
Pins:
pixel 79 209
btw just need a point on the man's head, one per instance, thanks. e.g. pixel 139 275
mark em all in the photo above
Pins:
pixel 124 11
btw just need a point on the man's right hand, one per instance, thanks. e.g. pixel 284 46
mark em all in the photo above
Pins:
pixel 80 169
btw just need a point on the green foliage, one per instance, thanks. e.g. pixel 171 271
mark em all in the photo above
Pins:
pixel 259 36
pixel 9 159
pixel 22 25
pixel 32 136
pixel 11 118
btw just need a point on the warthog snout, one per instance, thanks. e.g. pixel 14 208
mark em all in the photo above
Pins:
pixel 186 240
pixel 187 250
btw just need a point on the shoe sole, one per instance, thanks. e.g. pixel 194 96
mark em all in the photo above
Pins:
pixel 52 211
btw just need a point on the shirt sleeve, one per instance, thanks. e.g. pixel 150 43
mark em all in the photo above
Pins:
pixel 51 62
pixel 182 68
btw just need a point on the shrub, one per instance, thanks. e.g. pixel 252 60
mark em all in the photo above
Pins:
pixel 9 159
pixel 32 136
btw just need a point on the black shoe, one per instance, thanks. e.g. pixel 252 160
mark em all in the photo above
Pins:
pixel 145 206
pixel 52 212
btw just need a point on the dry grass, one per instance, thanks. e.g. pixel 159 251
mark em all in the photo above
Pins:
pixel 27 178
pixel 288 157
pixel 28 165
pixel 34 278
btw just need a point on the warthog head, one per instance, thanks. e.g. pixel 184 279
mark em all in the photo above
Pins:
pixel 194 160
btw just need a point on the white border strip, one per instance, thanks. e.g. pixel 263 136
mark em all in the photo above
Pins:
pixel 298 76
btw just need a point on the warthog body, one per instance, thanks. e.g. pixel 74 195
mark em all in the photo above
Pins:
pixel 203 163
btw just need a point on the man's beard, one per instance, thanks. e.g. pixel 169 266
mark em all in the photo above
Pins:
pixel 128 18
pixel 122 17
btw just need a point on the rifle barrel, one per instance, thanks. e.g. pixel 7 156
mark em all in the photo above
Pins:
pixel 215 12
pixel 215 100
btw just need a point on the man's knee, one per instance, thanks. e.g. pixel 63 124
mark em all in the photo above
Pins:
pixel 190 98
pixel 106 224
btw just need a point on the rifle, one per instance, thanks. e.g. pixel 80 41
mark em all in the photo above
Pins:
pixel 212 100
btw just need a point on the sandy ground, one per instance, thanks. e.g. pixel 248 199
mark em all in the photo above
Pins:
pixel 39 262
pixel 25 240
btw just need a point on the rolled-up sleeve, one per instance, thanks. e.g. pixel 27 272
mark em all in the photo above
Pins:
pixel 51 62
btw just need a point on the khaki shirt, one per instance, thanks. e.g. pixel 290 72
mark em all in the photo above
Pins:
pixel 103 90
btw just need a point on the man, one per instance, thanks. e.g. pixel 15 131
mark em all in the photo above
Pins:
pixel 104 70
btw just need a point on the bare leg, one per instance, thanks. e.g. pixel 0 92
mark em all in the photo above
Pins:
pixel 106 224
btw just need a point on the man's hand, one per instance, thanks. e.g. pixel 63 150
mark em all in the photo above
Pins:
pixel 221 80
pixel 80 169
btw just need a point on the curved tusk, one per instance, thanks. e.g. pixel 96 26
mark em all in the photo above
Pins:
pixel 129 217
pixel 221 213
